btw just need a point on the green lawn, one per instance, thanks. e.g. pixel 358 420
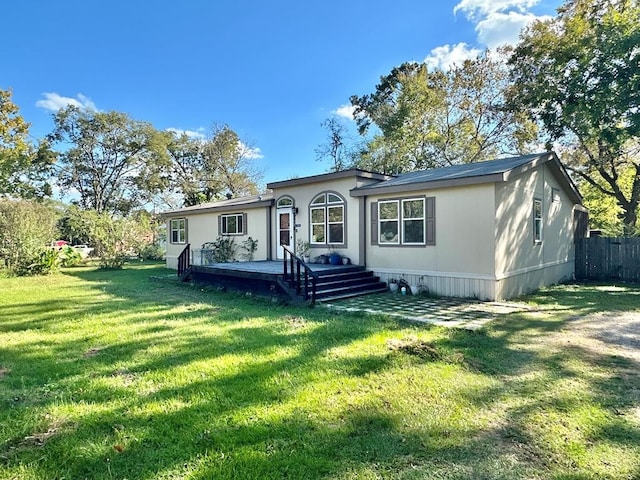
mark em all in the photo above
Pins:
pixel 111 375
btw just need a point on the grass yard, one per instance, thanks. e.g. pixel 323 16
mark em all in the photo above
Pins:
pixel 111 375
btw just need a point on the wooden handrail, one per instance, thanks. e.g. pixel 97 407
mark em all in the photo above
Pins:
pixel 300 275
pixel 184 260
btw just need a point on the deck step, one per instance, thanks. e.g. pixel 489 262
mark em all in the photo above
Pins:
pixel 346 284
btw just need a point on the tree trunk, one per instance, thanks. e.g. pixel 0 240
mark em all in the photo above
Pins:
pixel 630 220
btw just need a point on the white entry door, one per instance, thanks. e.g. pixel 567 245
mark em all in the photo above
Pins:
pixel 285 230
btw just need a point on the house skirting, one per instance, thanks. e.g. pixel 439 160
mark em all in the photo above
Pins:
pixel 484 286
pixel 525 281
pixel 172 262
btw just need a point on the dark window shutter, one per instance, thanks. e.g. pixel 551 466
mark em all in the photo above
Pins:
pixel 430 220
pixel 186 230
pixel 244 224
pixel 219 225
pixel 374 223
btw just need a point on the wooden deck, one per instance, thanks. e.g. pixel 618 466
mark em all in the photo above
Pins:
pixel 267 267
pixel 264 278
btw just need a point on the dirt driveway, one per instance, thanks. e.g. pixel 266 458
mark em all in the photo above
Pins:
pixel 615 333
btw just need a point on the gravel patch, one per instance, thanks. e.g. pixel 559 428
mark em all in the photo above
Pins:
pixel 618 333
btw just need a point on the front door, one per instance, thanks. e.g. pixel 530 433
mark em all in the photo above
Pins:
pixel 285 230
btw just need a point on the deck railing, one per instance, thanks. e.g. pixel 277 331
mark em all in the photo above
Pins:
pixel 184 261
pixel 299 275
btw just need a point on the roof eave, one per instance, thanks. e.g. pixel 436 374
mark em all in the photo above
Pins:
pixel 430 185
pixel 323 177
pixel 220 208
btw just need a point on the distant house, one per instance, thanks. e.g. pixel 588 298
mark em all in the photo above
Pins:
pixel 490 230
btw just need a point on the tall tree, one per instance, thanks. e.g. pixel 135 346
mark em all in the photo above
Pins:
pixel 232 160
pixel 336 149
pixel 579 74
pixel 108 159
pixel 23 168
pixel 430 119
pixel 204 170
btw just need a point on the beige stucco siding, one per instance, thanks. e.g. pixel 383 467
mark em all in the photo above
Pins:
pixel 462 262
pixel 203 227
pixel 521 264
pixel 515 247
pixel 303 195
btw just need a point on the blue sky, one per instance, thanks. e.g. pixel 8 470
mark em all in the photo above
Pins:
pixel 271 70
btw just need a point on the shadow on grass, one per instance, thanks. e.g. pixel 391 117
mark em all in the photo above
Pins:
pixel 206 385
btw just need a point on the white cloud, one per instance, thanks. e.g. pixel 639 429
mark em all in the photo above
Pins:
pixel 53 102
pixel 498 22
pixel 503 28
pixel 446 56
pixel 199 133
pixel 252 153
pixel 477 9
pixel 345 111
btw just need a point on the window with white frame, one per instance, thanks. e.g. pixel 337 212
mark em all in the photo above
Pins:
pixel 284 202
pixel 537 221
pixel 178 229
pixel 232 224
pixel 401 222
pixel 388 222
pixel 327 219
pixel 413 221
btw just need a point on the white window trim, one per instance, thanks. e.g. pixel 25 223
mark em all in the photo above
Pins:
pixel 224 225
pixel 285 202
pixel 323 224
pixel 423 218
pixel 325 205
pixel 178 229
pixel 329 223
pixel 538 232
pixel 386 220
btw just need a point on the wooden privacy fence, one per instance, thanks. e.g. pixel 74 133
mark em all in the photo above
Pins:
pixel 602 258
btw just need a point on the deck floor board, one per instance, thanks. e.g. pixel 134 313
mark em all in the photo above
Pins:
pixel 270 267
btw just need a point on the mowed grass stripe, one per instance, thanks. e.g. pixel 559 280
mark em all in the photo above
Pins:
pixel 109 374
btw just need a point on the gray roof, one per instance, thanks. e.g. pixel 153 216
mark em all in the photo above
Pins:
pixel 326 177
pixel 468 174
pixel 499 170
pixel 250 201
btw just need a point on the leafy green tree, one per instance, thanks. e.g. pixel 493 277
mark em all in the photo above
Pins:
pixel 431 119
pixel 23 169
pixel 579 75
pixel 204 170
pixel 232 161
pixel 187 175
pixel 114 238
pixel 112 160
pixel 28 228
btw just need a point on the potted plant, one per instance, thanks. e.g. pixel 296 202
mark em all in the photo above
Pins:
pixel 346 260
pixel 393 285
pixel 404 286
pixel 418 288
pixel 334 258
pixel 303 249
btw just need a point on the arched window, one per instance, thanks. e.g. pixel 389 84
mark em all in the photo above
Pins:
pixel 327 219
pixel 284 202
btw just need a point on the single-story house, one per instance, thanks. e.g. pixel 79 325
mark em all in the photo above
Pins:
pixel 489 230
